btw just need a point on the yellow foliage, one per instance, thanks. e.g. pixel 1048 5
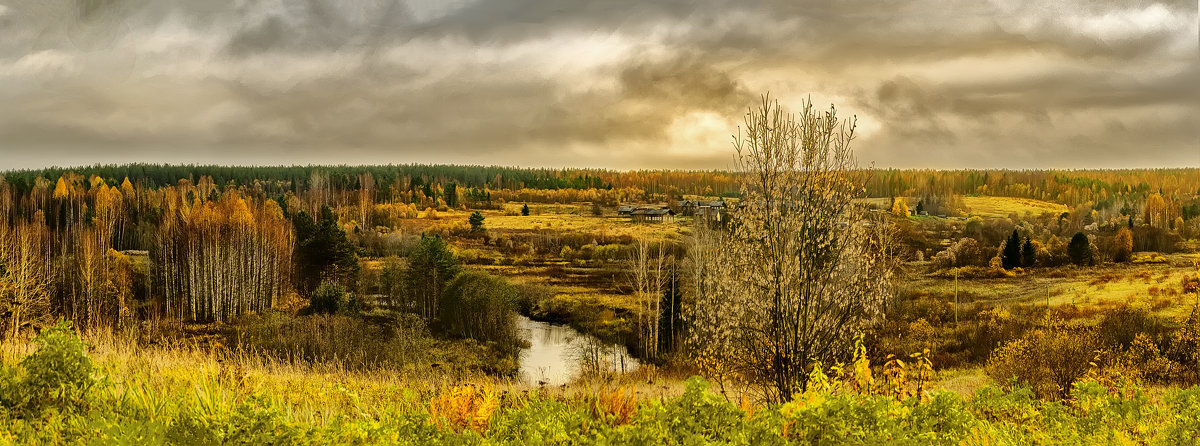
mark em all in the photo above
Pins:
pixel 616 406
pixel 900 208
pixel 464 407
pixel 61 190
pixel 127 188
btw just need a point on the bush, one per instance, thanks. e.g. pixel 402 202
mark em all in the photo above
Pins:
pixel 58 373
pixel 1049 359
pixel 332 298
pixel 1122 325
pixel 1184 345
pixel 530 296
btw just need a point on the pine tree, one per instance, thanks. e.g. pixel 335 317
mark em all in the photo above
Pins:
pixel 1011 256
pixel 431 266
pixel 323 252
pixel 1028 253
pixel 476 221
pixel 525 210
pixel 1080 249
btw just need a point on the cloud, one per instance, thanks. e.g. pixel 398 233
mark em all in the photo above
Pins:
pixel 624 83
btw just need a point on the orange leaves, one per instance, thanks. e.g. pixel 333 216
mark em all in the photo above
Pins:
pixel 615 406
pixel 464 407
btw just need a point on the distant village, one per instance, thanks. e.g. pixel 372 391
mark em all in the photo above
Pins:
pixel 709 210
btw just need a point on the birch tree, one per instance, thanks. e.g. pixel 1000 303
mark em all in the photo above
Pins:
pixel 802 269
pixel 24 272
pixel 647 265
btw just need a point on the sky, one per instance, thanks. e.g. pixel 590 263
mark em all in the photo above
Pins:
pixel 619 84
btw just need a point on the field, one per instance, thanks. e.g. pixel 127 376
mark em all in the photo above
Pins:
pixel 985 206
pixel 1156 285
pixel 1002 207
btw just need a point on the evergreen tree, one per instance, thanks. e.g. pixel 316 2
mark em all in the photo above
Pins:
pixel 476 221
pixel 323 252
pixel 525 210
pixel 1028 253
pixel 430 266
pixel 1080 249
pixel 451 194
pixel 1011 256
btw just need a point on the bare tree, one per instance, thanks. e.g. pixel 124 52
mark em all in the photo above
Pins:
pixel 802 269
pixel 24 272
pixel 648 268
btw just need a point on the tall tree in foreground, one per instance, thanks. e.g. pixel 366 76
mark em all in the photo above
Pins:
pixel 804 269
pixel 648 266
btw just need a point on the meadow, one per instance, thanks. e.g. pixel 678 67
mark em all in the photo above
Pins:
pixel 370 314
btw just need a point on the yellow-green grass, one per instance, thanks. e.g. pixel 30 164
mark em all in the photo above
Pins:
pixel 1003 206
pixel 881 203
pixel 557 218
pixel 1156 285
pixel 217 380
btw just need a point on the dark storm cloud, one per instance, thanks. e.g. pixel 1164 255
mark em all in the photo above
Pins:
pixel 618 83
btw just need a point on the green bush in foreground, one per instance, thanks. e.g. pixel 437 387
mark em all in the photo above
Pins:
pixel 61 403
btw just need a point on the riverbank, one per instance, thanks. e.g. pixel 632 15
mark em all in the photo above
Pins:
pixel 558 355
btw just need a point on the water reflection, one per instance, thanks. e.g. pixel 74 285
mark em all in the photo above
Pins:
pixel 558 353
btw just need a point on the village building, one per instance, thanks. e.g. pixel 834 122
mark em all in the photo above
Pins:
pixel 652 215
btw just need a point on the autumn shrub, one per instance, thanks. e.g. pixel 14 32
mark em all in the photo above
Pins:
pixel 1184 346
pixel 989 330
pixel 1048 359
pixel 1190 284
pixel 460 408
pixel 1120 326
pixel 1147 361
pixel 529 296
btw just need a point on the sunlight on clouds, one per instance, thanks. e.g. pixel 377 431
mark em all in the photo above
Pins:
pixel 700 133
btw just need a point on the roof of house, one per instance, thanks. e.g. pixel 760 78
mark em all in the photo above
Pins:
pixel 650 211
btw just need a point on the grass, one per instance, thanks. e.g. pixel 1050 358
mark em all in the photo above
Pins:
pixel 984 206
pixel 1156 285
pixel 1002 207
pixel 191 396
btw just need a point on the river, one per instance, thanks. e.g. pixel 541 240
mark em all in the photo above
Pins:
pixel 557 354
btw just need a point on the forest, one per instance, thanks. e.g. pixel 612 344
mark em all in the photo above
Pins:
pixel 796 299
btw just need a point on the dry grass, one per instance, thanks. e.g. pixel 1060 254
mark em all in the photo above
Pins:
pixel 1157 285
pixel 1003 206
pixel 312 393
